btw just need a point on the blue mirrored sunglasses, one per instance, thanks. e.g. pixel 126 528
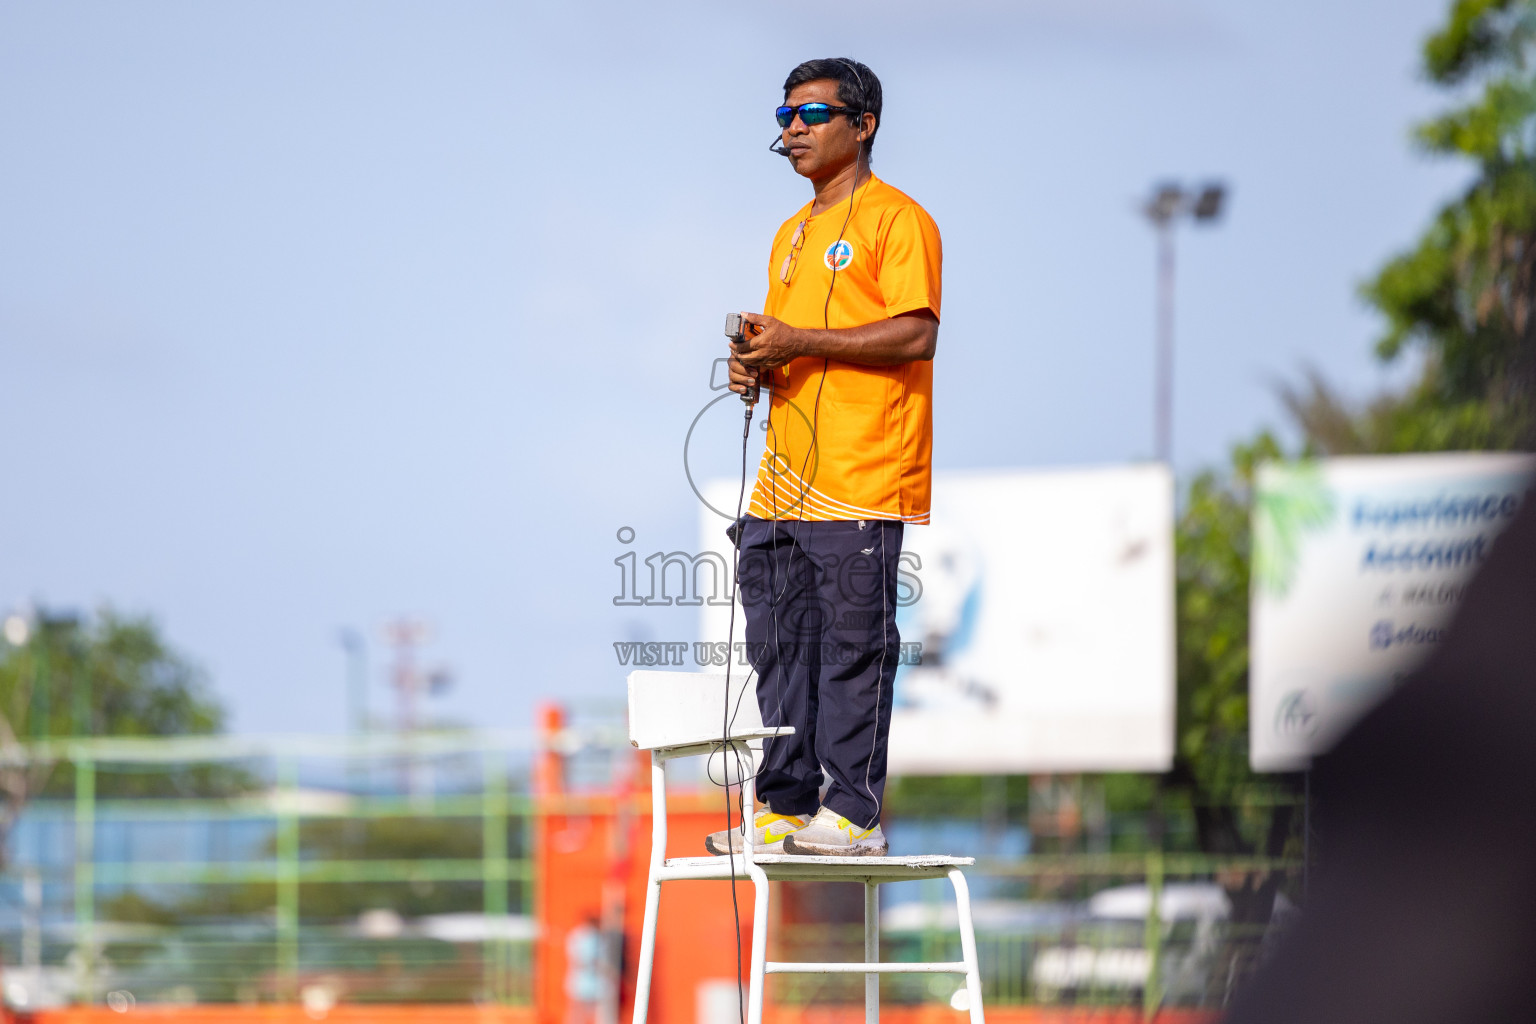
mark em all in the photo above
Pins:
pixel 810 113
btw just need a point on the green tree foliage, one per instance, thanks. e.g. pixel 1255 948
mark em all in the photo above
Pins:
pixel 105 675
pixel 1417 419
pixel 1466 293
pixel 108 675
pixel 1212 576
pixel 1235 811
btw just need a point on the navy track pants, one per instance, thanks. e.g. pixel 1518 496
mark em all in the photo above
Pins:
pixel 820 603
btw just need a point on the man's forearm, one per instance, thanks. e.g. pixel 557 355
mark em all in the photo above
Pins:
pixel 899 339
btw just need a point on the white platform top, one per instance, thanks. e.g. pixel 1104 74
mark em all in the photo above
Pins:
pixel 824 869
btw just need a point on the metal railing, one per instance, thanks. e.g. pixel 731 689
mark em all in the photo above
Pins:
pixel 275 842
pixel 1066 957
pixel 64 952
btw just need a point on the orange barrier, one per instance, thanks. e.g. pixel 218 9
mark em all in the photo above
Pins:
pixel 581 879
pixel 457 1013
pixel 461 1014
pixel 592 855
pixel 938 1014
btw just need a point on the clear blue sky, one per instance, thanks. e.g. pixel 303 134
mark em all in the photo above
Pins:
pixel 311 314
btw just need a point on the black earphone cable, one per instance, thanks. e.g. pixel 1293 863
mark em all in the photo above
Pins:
pixel 726 747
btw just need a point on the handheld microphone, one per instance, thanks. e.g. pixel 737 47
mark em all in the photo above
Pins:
pixel 737 329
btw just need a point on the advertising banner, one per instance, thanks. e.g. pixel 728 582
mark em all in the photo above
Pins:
pixel 1359 564
pixel 1036 621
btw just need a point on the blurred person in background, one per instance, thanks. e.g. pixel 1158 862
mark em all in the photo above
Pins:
pixel 845 345
pixel 1425 909
pixel 583 971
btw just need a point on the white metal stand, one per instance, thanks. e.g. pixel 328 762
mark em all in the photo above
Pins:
pixel 675 714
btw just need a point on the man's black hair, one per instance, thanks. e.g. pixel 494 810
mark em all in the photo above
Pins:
pixel 857 87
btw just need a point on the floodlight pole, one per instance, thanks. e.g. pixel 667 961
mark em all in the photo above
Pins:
pixel 1163 411
pixel 356 649
pixel 1167 205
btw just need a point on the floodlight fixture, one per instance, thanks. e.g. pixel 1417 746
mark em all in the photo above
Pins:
pixel 1167 202
pixel 1208 204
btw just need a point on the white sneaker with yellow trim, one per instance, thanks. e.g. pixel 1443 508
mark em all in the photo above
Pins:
pixel 831 835
pixel 768 838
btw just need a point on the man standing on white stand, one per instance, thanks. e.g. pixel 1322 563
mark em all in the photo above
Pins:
pixel 845 346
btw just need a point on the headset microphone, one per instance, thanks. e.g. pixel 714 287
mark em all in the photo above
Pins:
pixel 777 146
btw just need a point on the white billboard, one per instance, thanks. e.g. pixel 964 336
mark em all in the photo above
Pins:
pixel 1358 565
pixel 1043 606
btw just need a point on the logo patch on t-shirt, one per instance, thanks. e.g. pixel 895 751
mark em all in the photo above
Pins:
pixel 838 255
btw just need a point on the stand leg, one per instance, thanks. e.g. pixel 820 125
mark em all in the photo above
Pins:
pixel 759 973
pixel 871 951
pixel 647 950
pixel 759 945
pixel 968 944
pixel 652 886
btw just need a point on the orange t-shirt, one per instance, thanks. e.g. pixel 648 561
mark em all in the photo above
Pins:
pixel 872 425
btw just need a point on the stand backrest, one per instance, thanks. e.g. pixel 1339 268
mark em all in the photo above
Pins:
pixel 679 709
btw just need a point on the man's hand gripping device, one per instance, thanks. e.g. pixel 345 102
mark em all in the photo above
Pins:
pixel 737 329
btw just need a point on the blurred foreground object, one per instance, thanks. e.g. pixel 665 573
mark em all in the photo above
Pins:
pixel 1426 907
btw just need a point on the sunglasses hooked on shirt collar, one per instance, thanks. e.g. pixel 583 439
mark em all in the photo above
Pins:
pixel 787 268
pixel 810 113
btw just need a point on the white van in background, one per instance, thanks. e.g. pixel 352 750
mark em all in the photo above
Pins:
pixel 1105 950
